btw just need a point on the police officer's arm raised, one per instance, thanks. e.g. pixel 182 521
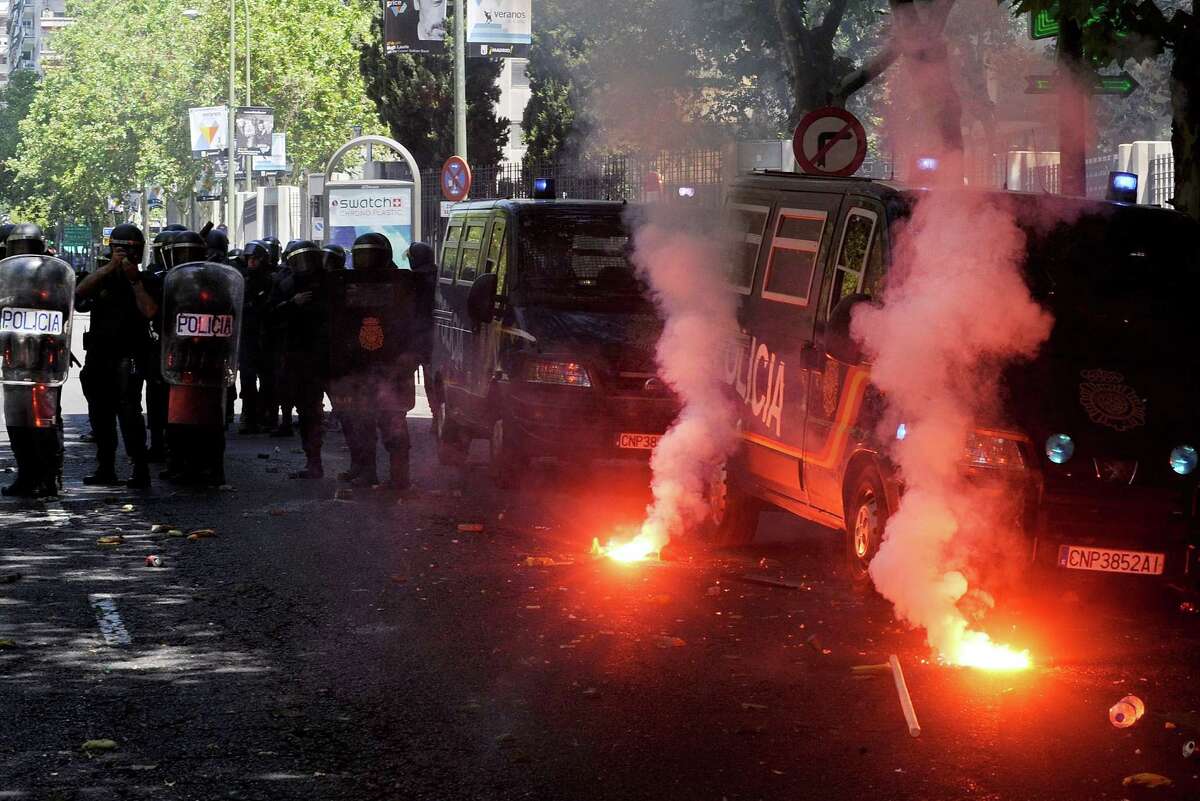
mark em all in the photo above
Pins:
pixel 128 269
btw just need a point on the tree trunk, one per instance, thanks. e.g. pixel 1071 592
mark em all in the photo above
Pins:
pixel 1185 116
pixel 1073 96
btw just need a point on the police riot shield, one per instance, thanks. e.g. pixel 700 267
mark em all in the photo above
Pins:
pixel 372 315
pixel 37 296
pixel 202 317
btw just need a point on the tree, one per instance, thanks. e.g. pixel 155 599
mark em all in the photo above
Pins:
pixel 15 101
pixel 414 95
pixel 113 117
pixel 1117 31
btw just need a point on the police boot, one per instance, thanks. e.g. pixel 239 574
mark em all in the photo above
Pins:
pixel 398 476
pixel 105 476
pixel 352 474
pixel 141 476
pixel 23 486
pixel 366 477
pixel 312 469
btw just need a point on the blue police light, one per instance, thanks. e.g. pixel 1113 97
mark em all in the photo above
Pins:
pixel 927 164
pixel 687 191
pixel 543 189
pixel 1122 187
pixel 1060 448
pixel 901 431
pixel 1184 459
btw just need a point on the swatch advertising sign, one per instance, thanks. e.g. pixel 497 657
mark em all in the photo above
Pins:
pixel 356 210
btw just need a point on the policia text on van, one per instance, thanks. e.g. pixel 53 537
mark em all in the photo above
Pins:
pixel 1101 430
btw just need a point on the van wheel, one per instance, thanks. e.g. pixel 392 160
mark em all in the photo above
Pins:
pixel 452 444
pixel 866 519
pixel 733 514
pixel 508 461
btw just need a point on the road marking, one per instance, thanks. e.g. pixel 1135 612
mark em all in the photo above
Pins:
pixel 57 514
pixel 111 626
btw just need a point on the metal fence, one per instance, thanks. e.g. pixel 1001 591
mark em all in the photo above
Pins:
pixel 1041 178
pixel 698 173
pixel 1096 170
pixel 1162 180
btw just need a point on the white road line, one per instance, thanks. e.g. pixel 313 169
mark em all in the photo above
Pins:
pixel 111 625
pixel 57 514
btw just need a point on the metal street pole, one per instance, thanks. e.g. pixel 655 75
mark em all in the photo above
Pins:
pixel 231 177
pixel 249 159
pixel 460 78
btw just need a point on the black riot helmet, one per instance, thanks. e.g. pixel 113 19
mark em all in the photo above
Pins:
pixel 158 248
pixel 304 258
pixel 168 255
pixel 218 246
pixel 257 249
pixel 25 239
pixel 273 246
pixel 5 230
pixel 335 257
pixel 372 251
pixel 188 247
pixel 420 258
pixel 129 237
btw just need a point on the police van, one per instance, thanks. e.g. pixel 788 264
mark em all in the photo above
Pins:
pixel 544 337
pixel 1102 428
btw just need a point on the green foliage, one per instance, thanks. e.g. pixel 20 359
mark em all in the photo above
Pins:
pixel 113 116
pixel 15 101
pixel 414 95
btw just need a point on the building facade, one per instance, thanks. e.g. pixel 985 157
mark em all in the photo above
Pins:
pixel 29 28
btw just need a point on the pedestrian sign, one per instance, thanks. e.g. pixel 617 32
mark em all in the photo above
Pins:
pixel 1043 25
pixel 456 179
pixel 76 236
pixel 1123 84
pixel 830 141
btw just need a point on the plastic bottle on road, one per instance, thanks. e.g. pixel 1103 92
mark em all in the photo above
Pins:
pixel 1126 712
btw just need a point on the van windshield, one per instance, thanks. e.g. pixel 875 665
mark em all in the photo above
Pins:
pixel 576 256
pixel 1122 283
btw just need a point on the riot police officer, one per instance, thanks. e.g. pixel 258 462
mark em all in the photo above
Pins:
pixel 335 257
pixel 382 370
pixel 36 301
pixel 253 366
pixel 424 268
pixel 202 307
pixel 121 306
pixel 303 310
pixel 157 389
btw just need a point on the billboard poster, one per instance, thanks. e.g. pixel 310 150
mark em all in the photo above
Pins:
pixel 277 160
pixel 209 128
pixel 499 28
pixel 254 127
pixel 414 26
pixel 352 211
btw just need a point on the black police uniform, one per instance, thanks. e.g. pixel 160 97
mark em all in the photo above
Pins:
pixel 253 364
pixel 32 411
pixel 304 312
pixel 118 343
pixel 421 262
pixel 158 391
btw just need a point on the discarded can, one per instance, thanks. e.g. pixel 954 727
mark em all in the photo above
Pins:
pixel 1189 748
pixel 1126 712
pixel 153 560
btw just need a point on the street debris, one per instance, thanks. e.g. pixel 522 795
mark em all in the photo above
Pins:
pixel 159 528
pixel 1126 712
pixel 10 578
pixel 1187 607
pixel 1189 748
pixel 591 692
pixel 814 643
pixel 127 507
pixel 470 528
pixel 906 704
pixel 154 560
pixel 767 581
pixel 201 534
pixel 93 746
pixel 1151 780
pixel 664 641
pixel 545 561
pixel 343 494
pixel 8 643
pixel 175 532
pixel 753 707
pixel 866 671
pixel 110 540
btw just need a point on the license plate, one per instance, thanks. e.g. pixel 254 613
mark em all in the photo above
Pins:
pixel 1108 560
pixel 642 442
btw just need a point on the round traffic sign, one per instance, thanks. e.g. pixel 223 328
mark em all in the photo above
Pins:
pixel 456 179
pixel 830 141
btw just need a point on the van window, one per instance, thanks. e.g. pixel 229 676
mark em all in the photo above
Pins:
pixel 472 243
pixel 746 225
pixel 858 238
pixel 794 250
pixel 497 250
pixel 450 252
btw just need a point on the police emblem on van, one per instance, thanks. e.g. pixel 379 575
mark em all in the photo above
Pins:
pixel 1109 401
pixel 370 336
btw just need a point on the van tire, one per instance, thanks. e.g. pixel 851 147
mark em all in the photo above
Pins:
pixel 508 462
pixel 452 444
pixel 733 513
pixel 866 519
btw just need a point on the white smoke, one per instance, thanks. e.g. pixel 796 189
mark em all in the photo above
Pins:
pixel 955 311
pixel 685 273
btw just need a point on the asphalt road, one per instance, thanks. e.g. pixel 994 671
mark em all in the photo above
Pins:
pixel 318 648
